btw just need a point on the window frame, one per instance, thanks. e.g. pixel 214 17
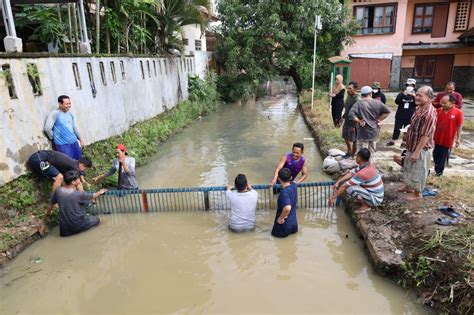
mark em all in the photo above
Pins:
pixel 394 5
pixel 471 5
pixel 196 41
pixel 432 17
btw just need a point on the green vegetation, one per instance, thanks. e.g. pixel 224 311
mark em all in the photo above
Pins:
pixel 27 197
pixel 258 40
pixel 122 26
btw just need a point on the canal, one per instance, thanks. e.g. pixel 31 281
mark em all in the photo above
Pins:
pixel 188 262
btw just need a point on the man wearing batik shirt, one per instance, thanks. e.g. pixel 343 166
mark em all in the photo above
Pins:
pixel 419 144
pixel 364 184
pixel 448 131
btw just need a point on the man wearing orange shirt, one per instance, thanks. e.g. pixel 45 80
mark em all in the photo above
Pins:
pixel 448 131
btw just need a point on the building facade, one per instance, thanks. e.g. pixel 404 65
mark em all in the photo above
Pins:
pixel 428 40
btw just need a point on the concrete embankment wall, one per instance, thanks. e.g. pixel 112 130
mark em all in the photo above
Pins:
pixel 108 94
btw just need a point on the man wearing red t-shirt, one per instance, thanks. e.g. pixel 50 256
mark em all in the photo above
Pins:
pixel 448 131
pixel 450 90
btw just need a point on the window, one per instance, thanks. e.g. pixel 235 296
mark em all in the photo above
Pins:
pixel 375 19
pixel 462 15
pixel 166 67
pixel 148 67
pixel 159 64
pixel 7 74
pixel 112 71
pixel 431 18
pixel 122 68
pixel 34 78
pixel 154 68
pixel 102 73
pixel 197 44
pixel 77 77
pixel 185 42
pixel 143 70
pixel 91 79
pixel 423 19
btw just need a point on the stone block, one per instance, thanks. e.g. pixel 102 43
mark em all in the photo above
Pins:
pixel 13 44
pixel 85 48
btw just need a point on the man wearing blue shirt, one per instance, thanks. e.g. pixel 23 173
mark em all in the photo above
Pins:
pixel 285 220
pixel 61 128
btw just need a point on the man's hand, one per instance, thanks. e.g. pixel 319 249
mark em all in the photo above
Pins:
pixel 335 186
pixel 122 159
pixel 81 144
pixel 332 201
pixel 96 179
pixel 281 220
pixel 414 157
pixel 87 185
pixel 102 191
pixel 361 122
pixel 272 182
pixel 229 187
pixel 457 143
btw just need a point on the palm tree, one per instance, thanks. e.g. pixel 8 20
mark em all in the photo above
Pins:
pixel 174 15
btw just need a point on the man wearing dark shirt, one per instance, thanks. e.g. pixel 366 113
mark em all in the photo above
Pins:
pixel 285 220
pixel 406 107
pixel 72 206
pixel 377 94
pixel 52 164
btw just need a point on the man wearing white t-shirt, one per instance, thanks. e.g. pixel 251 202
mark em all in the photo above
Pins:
pixel 243 202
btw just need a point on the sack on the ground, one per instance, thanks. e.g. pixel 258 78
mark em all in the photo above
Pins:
pixel 331 165
pixel 347 164
pixel 335 152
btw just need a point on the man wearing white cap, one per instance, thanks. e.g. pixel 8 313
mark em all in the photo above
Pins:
pixel 406 107
pixel 368 115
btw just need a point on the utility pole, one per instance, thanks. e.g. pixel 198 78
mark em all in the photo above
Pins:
pixel 317 27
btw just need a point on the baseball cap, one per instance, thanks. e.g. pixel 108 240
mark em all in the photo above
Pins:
pixel 376 85
pixel 121 147
pixel 366 90
pixel 411 81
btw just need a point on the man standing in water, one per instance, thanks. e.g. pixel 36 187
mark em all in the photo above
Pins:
pixel 285 220
pixel 242 205
pixel 72 206
pixel 295 162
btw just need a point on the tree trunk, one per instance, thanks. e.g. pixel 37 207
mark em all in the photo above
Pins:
pixel 97 26
pixel 297 78
pixel 69 17
pixel 107 31
pixel 76 30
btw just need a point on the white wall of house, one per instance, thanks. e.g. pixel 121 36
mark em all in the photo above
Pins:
pixel 192 33
pixel 103 108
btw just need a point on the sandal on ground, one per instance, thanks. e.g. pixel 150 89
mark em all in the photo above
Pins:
pixel 446 221
pixel 449 211
pixel 428 192
pixel 390 143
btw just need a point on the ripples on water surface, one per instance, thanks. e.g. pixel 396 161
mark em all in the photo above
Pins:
pixel 188 262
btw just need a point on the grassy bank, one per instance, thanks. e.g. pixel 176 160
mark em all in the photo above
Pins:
pixel 437 261
pixel 24 200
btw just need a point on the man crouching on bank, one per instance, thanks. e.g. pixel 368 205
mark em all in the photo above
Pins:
pixel 72 206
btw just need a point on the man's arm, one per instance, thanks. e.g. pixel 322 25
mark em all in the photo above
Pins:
pixel 277 169
pixel 284 214
pixel 304 173
pixel 339 192
pixel 98 193
pixel 76 130
pixel 457 139
pixel 49 124
pixel 49 209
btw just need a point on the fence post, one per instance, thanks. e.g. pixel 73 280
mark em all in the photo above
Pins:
pixel 206 200
pixel 144 201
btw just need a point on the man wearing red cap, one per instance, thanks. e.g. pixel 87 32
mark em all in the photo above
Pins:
pixel 125 166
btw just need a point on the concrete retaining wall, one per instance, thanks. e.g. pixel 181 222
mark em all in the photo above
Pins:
pixel 108 95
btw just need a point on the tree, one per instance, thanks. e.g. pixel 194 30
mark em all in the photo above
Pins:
pixel 258 40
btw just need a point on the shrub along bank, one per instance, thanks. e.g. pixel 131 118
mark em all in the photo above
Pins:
pixel 402 238
pixel 23 201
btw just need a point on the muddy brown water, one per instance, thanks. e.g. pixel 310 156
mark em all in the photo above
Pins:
pixel 188 262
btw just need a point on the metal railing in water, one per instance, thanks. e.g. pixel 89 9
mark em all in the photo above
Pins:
pixel 310 195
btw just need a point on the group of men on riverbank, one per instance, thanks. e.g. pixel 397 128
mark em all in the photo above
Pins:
pixel 433 125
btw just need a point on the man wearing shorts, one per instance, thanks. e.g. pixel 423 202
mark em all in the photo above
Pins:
pixel 61 128
pixel 72 206
pixel 364 184
pixel 52 164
